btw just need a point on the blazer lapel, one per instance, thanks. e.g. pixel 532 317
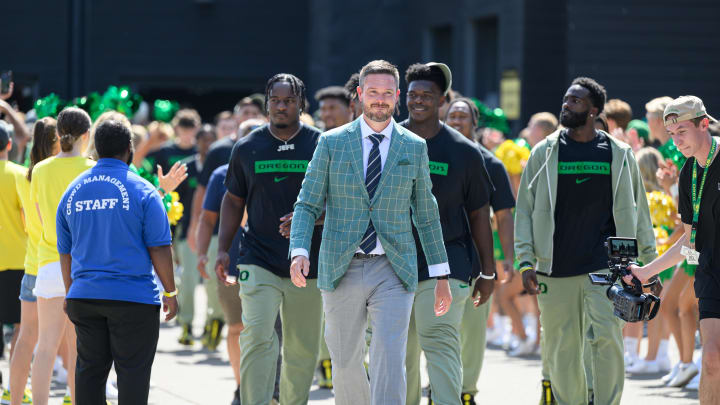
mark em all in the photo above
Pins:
pixel 356 153
pixel 393 157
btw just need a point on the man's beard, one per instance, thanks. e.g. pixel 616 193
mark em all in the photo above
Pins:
pixel 280 126
pixel 573 120
pixel 377 116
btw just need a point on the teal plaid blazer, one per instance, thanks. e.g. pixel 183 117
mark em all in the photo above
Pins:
pixel 335 182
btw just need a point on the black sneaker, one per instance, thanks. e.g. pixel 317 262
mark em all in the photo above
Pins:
pixel 186 337
pixel 236 397
pixel 467 399
pixel 324 374
pixel 547 397
pixel 591 397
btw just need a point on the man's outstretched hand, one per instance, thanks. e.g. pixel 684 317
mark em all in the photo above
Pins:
pixel 299 269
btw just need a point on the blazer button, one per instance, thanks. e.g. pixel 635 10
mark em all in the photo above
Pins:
pixel 371 209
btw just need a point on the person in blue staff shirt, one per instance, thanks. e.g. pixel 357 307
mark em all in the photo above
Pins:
pixel 112 230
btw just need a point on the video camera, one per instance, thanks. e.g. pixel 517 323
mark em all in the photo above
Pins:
pixel 631 304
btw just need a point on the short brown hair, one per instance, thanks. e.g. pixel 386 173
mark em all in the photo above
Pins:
pixel 618 111
pixel 72 123
pixel 44 138
pixel 379 67
pixel 547 121
pixel 223 116
pixel 187 118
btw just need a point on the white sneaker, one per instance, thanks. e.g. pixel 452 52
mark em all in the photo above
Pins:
pixel 523 348
pixel 669 376
pixel 642 366
pixel 630 359
pixel 110 391
pixel 685 373
pixel 694 384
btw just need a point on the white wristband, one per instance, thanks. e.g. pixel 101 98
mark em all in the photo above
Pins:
pixel 492 277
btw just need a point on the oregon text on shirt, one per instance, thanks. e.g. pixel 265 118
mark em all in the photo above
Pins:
pixel 107 219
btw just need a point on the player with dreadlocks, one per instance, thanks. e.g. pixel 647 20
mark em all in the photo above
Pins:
pixel 351 87
pixel 265 172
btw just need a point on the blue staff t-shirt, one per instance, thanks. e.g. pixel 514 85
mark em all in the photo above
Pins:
pixel 106 220
pixel 214 194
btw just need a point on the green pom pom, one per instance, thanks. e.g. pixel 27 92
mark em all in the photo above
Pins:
pixel 164 110
pixel 119 99
pixel 49 106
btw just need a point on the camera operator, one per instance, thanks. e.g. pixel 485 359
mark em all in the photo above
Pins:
pixel 687 121
pixel 579 187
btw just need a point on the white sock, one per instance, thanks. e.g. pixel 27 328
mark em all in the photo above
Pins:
pixel 631 346
pixel 663 349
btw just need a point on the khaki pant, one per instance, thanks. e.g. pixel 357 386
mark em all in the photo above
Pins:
pixel 439 338
pixel 189 279
pixel 263 295
pixel 569 308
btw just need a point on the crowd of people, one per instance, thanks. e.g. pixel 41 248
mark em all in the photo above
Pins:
pixel 319 238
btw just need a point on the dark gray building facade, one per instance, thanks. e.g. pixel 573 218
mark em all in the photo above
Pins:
pixel 209 53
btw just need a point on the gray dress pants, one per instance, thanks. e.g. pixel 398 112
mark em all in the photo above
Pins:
pixel 369 287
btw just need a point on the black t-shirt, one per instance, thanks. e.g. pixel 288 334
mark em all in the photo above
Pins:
pixel 707 237
pixel 501 193
pixel 218 155
pixel 583 208
pixel 268 174
pixel 166 156
pixel 460 186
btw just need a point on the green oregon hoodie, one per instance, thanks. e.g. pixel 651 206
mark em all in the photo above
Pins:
pixel 535 211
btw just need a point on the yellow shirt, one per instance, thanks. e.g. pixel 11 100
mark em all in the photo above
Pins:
pixel 33 228
pixel 49 181
pixel 12 230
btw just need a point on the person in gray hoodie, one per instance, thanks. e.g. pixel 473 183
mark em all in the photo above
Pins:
pixel 580 186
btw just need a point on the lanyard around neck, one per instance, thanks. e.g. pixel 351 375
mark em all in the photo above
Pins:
pixel 697 196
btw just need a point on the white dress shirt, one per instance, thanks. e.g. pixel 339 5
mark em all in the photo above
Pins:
pixel 435 270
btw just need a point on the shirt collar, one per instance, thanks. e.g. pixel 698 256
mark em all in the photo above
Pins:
pixel 367 131
pixel 111 162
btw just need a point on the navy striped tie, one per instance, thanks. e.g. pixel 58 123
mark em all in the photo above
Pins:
pixel 372 179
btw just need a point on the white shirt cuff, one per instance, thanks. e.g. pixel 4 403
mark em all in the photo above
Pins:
pixel 299 252
pixel 437 270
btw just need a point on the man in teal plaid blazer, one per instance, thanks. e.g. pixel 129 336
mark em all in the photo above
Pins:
pixel 370 177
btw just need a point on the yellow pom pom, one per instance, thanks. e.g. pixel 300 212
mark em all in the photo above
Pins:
pixel 661 233
pixel 662 209
pixel 175 213
pixel 513 156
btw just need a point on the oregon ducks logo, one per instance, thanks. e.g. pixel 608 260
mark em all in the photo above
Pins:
pixel 543 288
pixel 281 166
pixel 244 275
pixel 584 168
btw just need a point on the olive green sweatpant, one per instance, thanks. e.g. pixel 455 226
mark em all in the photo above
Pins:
pixel 472 338
pixel 263 295
pixel 439 338
pixel 188 281
pixel 569 307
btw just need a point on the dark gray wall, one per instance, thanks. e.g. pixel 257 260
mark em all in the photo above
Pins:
pixel 209 53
